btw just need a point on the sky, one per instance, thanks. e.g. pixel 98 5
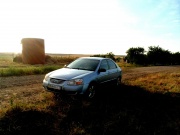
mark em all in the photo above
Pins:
pixel 90 26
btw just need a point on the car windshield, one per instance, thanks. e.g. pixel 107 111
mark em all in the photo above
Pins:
pixel 84 64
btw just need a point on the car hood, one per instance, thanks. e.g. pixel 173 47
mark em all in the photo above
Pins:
pixel 67 73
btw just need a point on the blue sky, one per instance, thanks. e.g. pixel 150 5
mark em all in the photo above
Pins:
pixel 91 27
pixel 156 17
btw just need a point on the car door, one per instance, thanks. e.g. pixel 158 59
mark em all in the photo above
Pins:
pixel 112 72
pixel 103 76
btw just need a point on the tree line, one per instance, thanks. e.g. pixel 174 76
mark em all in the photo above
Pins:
pixel 154 56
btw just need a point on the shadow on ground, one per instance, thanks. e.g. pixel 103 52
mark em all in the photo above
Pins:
pixel 126 110
pixel 32 122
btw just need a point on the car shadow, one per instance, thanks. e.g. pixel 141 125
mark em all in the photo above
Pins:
pixel 114 111
pixel 124 110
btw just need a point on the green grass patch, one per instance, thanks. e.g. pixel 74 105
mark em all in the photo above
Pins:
pixel 31 70
pixel 9 68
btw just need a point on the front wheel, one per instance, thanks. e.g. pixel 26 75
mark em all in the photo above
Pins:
pixel 90 93
pixel 118 81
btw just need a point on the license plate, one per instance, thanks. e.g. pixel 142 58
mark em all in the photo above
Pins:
pixel 54 86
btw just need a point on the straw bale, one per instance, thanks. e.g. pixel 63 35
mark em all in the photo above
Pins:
pixel 33 51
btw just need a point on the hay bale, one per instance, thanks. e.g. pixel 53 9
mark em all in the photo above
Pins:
pixel 33 51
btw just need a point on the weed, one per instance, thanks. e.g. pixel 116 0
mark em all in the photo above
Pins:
pixel 11 101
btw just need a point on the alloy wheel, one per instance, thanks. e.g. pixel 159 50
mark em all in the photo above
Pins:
pixel 91 91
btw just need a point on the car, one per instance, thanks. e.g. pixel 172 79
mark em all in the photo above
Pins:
pixel 83 76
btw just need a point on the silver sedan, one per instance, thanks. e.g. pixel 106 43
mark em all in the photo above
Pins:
pixel 82 76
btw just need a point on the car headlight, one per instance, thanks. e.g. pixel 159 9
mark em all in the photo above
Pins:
pixel 46 77
pixel 75 82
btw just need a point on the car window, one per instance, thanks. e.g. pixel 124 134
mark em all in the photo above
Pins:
pixel 111 64
pixel 84 64
pixel 104 65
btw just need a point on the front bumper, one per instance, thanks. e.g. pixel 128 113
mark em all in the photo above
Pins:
pixel 64 88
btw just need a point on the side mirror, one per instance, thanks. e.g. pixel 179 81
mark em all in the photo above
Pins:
pixel 102 70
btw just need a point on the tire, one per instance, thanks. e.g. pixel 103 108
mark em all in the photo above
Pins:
pixel 91 91
pixel 118 81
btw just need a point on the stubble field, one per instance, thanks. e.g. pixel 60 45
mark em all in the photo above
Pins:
pixel 148 102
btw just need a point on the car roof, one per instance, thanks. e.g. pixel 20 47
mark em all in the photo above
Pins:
pixel 94 58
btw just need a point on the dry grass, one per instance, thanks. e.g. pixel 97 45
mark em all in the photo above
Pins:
pixel 147 104
pixel 10 68
pixel 127 110
pixel 139 106
pixel 166 82
pixel 30 99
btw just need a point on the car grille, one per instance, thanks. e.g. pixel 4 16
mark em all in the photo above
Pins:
pixel 63 92
pixel 57 81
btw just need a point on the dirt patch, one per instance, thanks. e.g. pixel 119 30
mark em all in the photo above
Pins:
pixel 6 82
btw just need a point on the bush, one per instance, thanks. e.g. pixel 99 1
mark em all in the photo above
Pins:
pixel 108 55
pixel 18 58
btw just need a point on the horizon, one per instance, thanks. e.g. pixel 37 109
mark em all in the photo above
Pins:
pixel 60 54
pixel 91 27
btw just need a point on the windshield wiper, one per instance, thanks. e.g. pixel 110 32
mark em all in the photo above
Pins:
pixel 73 68
pixel 80 68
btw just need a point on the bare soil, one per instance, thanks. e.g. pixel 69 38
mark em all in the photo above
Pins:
pixel 32 84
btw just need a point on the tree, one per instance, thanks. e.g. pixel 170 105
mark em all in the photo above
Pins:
pixel 158 56
pixel 111 55
pixel 108 55
pixel 176 58
pixel 136 55
pixel 155 56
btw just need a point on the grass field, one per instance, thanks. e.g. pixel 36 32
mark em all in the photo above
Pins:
pixel 55 61
pixel 148 104
pixel 10 68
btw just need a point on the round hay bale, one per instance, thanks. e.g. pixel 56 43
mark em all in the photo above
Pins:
pixel 33 51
